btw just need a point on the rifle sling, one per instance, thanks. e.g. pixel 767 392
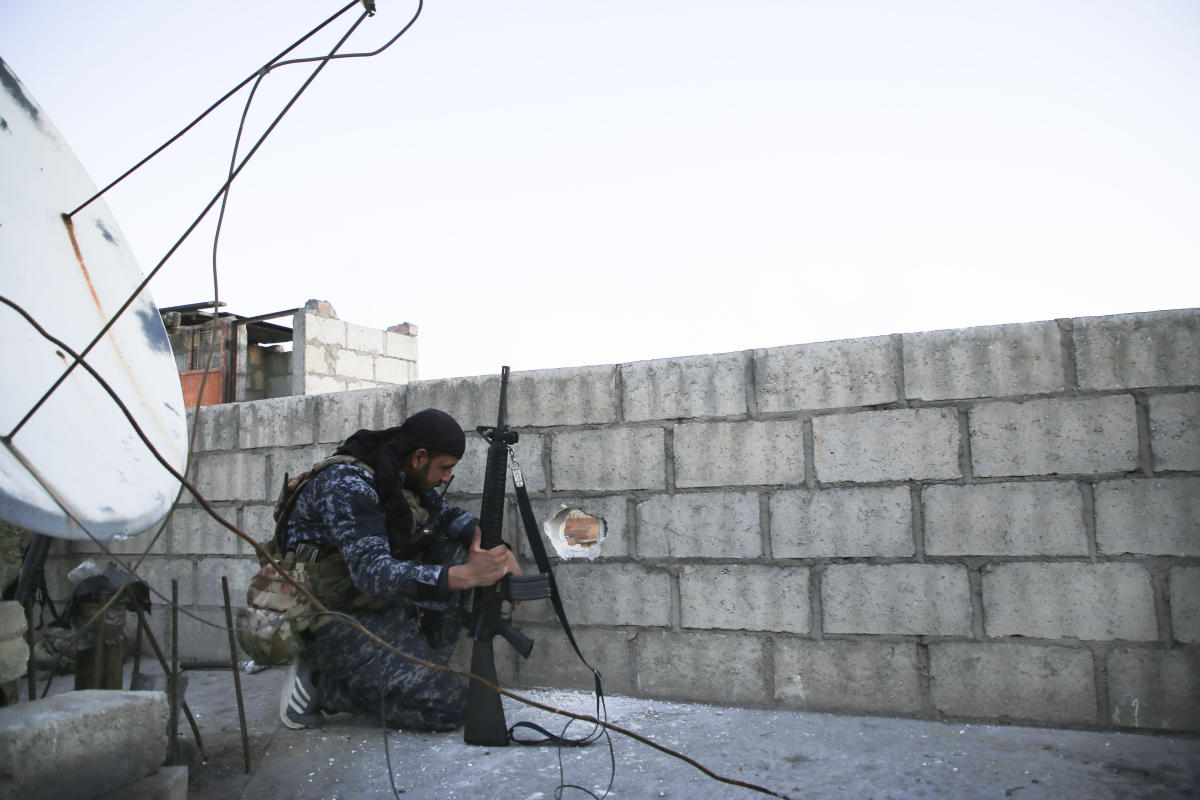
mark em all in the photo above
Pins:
pixel 529 522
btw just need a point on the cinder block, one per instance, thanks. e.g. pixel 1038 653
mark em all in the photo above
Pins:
pixel 848 676
pixel 1005 519
pixel 468 474
pixel 703 525
pixel 340 415
pixel 230 476
pixel 14 652
pixel 238 570
pixel 1018 682
pixel 841 374
pixel 712 667
pixel 351 365
pixel 289 463
pixel 193 530
pixel 393 370
pixel 1160 348
pixel 258 522
pixel 609 594
pixel 991 361
pixel 159 571
pixel 401 345
pixel 1185 604
pixel 613 510
pixel 739 453
pixel 364 339
pixel 218 427
pixel 896 599
pixel 1054 437
pixel 278 422
pixel 1149 516
pixel 318 384
pixel 80 744
pixel 1175 431
pixel 902 444
pixel 573 396
pixel 842 523
pixel 471 401
pixel 1099 602
pixel 608 459
pixel 554 663
pixel 1154 689
pixel 680 388
pixel 746 598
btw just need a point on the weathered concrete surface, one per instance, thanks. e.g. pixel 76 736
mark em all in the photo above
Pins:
pixel 797 754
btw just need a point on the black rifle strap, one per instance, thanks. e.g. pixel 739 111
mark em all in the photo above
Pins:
pixel 543 564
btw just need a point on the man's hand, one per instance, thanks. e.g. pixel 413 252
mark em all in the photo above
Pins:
pixel 483 567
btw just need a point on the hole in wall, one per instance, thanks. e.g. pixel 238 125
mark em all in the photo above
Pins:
pixel 575 534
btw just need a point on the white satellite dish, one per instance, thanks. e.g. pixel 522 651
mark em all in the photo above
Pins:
pixel 76 466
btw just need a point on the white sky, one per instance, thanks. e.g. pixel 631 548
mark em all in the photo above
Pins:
pixel 546 184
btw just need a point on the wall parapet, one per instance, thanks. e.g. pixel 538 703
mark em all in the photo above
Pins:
pixel 997 523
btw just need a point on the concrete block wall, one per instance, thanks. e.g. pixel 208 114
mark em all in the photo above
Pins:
pixel 997 523
pixel 329 355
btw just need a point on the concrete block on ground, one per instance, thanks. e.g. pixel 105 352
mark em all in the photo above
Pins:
pixel 340 415
pixel 991 361
pixel 700 525
pixel 554 663
pixel 608 459
pixel 1184 589
pixel 218 427
pixel 848 676
pixel 739 453
pixel 1016 682
pixel 1175 431
pixel 1054 437
pixel 169 783
pixel 896 599
pixel 713 667
pixel 1038 518
pixel 572 396
pixel 744 597
pixel 1099 602
pixel 1156 516
pixel 81 744
pixel 609 594
pixel 676 388
pixel 840 374
pixel 842 523
pixel 896 445
pixel 277 422
pixel 1154 689
pixel 1160 348
pixel 193 530
pixel 230 476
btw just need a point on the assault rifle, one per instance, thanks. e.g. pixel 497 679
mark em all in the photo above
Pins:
pixel 486 619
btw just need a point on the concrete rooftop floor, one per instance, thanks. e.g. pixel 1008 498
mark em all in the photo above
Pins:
pixel 796 754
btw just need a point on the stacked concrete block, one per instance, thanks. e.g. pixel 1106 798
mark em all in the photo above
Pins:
pixel 329 355
pixel 997 523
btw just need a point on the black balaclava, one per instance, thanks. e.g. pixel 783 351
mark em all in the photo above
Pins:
pixel 385 452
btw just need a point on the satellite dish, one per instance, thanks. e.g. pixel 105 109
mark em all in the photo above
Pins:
pixel 76 464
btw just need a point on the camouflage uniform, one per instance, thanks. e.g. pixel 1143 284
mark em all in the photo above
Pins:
pixel 406 603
